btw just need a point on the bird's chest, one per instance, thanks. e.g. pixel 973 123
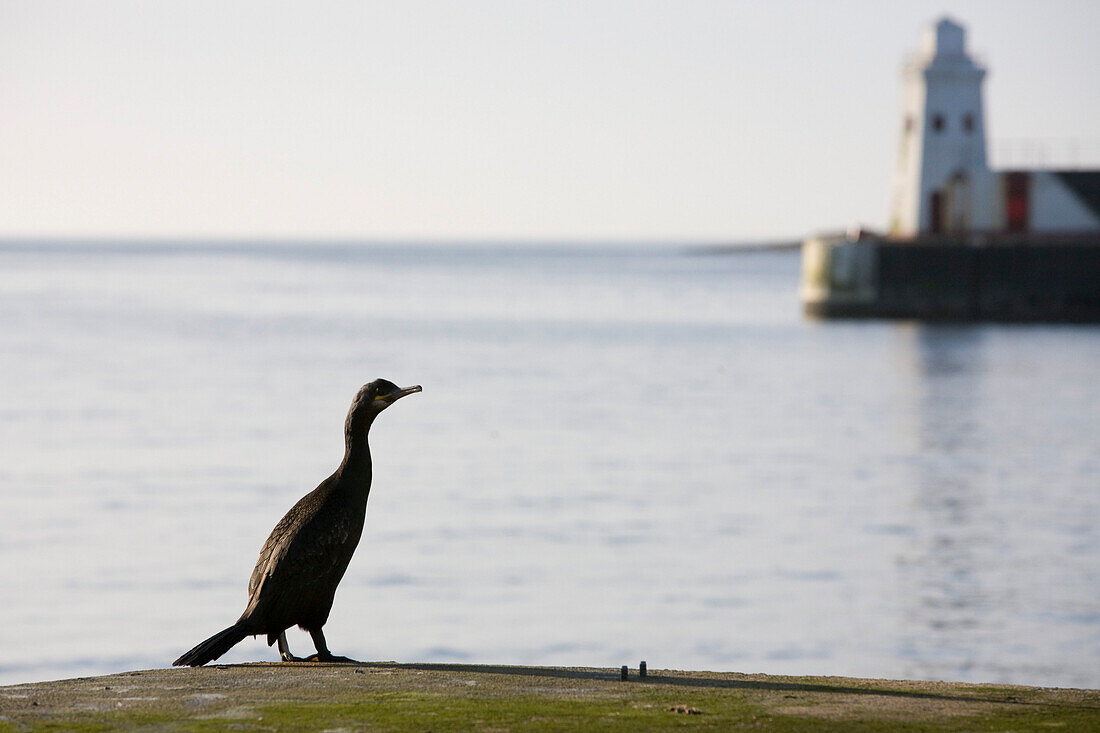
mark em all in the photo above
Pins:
pixel 343 528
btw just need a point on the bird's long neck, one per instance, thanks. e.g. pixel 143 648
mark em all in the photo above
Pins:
pixel 355 470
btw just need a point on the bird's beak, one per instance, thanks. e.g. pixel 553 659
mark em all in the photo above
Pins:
pixel 398 394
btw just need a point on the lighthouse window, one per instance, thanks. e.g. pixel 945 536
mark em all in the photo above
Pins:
pixel 938 122
pixel 968 122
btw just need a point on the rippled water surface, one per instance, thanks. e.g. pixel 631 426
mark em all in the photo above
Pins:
pixel 618 455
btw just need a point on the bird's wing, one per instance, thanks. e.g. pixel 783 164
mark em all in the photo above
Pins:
pixel 300 553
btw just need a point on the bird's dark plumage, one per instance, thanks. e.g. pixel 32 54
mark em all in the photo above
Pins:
pixel 307 553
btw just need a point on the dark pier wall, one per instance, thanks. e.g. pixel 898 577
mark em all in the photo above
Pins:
pixel 1054 281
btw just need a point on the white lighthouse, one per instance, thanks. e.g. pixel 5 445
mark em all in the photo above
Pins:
pixel 941 166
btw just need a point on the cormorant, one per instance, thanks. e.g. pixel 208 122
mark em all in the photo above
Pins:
pixel 307 553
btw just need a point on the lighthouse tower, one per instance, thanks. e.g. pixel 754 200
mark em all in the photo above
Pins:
pixel 942 177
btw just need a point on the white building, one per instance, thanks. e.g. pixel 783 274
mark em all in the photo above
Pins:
pixel 943 183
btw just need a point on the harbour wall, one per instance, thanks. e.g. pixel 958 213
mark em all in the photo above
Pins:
pixel 1030 278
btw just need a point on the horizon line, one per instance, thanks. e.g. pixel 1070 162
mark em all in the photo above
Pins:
pixel 716 243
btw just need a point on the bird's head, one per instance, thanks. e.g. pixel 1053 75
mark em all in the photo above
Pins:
pixel 378 395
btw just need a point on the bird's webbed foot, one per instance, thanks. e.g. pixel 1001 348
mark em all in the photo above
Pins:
pixel 331 658
pixel 323 654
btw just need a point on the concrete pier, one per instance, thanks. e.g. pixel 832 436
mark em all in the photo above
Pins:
pixel 1031 277
pixel 459 697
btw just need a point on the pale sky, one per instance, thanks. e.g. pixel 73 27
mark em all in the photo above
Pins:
pixel 635 120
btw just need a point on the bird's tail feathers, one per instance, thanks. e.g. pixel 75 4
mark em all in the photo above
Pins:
pixel 212 648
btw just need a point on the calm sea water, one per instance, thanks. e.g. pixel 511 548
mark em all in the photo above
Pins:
pixel 618 455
